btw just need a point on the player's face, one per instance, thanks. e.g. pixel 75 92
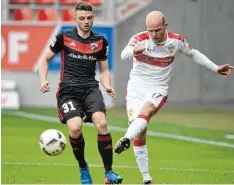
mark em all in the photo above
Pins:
pixel 157 33
pixel 84 20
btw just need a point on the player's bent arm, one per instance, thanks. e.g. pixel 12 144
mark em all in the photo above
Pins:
pixel 43 68
pixel 201 59
pixel 104 74
pixel 127 53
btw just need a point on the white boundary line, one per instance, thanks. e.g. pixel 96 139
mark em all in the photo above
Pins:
pixel 229 136
pixel 122 129
pixel 116 166
pixel 60 164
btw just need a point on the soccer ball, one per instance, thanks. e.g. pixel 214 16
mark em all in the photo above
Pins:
pixel 52 142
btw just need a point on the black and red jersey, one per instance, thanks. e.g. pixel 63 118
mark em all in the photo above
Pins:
pixel 79 57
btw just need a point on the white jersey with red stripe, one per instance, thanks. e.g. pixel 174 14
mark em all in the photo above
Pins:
pixel 152 69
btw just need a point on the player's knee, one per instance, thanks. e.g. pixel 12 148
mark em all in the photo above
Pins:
pixel 75 127
pixel 148 109
pixel 75 132
pixel 99 119
pixel 102 126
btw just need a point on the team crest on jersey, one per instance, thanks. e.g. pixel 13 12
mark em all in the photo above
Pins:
pixel 94 46
pixel 171 49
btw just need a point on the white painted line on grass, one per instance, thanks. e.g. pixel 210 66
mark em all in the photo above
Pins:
pixel 60 164
pixel 229 136
pixel 122 129
pixel 117 166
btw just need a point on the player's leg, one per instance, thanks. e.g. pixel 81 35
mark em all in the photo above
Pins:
pixel 140 147
pixel 142 156
pixel 152 104
pixel 134 102
pixel 96 112
pixel 71 112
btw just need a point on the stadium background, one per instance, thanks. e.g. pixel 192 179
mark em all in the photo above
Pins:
pixel 200 103
pixel 207 25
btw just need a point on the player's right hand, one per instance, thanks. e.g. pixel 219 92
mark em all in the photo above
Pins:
pixel 225 69
pixel 45 86
pixel 138 50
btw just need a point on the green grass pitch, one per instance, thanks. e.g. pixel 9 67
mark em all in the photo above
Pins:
pixel 171 161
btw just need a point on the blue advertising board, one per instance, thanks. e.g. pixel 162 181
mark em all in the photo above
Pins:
pixel 107 32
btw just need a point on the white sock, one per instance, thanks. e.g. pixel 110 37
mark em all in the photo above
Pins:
pixel 136 127
pixel 142 159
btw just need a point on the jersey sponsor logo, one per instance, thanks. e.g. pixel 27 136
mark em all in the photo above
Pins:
pixel 82 57
pixel 156 61
pixel 107 32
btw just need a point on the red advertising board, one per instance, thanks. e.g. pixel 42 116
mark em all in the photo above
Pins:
pixel 21 46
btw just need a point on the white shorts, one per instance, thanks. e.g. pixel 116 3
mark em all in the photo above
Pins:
pixel 136 97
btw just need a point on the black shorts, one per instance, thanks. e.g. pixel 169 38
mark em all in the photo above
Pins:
pixel 79 102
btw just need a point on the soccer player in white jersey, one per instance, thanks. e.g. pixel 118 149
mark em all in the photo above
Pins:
pixel 153 53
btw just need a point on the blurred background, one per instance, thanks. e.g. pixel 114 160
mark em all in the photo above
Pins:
pixel 28 26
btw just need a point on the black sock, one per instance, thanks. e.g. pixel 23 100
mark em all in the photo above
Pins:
pixel 105 149
pixel 78 146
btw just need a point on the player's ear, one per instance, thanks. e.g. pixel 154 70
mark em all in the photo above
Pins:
pixel 166 24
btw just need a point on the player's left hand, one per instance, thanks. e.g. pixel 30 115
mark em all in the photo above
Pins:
pixel 111 92
pixel 225 69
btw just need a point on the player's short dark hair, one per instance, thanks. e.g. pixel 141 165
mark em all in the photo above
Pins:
pixel 82 6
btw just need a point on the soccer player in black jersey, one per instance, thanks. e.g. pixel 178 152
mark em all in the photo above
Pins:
pixel 78 95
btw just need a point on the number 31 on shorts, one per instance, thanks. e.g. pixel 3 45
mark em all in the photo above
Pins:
pixel 68 106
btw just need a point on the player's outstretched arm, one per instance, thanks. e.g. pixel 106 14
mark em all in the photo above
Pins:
pixel 197 56
pixel 43 70
pixel 201 59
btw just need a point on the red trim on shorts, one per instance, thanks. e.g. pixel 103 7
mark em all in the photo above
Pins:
pixel 137 142
pixel 161 103
pixel 61 118
pixel 147 118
